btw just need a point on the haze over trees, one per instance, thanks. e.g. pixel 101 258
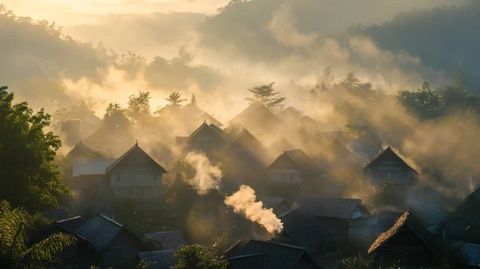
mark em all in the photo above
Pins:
pixel 267 96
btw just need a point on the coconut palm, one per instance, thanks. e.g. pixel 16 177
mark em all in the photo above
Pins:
pixel 15 249
pixel 175 98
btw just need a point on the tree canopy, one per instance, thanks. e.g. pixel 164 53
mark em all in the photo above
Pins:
pixel 16 251
pixel 29 177
pixel 266 95
pixel 139 106
pixel 198 257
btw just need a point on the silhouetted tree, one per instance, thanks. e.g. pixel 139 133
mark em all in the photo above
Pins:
pixel 175 98
pixel 115 117
pixel 139 107
pixel 351 82
pixel 266 95
pixel 29 176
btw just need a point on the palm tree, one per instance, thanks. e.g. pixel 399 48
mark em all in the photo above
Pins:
pixel 15 251
pixel 175 98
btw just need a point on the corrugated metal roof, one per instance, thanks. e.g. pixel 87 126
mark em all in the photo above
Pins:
pixel 71 225
pixel 99 231
pixel 252 261
pixel 277 255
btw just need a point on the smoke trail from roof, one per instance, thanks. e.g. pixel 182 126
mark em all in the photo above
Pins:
pixel 207 175
pixel 243 201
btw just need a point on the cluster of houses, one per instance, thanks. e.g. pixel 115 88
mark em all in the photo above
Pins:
pixel 319 227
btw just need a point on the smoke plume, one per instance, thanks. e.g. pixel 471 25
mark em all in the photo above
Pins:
pixel 207 175
pixel 243 201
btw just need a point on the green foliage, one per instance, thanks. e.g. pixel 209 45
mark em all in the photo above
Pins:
pixel 355 262
pixel 175 98
pixel 142 265
pixel 15 227
pixel 198 257
pixel 29 176
pixel 266 95
pixel 424 102
pixel 427 104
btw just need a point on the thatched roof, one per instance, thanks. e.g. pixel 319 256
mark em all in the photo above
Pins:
pixel 405 221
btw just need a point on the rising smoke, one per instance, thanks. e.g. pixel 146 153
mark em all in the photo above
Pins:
pixel 207 175
pixel 244 202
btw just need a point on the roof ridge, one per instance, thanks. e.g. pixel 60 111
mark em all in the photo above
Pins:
pixel 111 220
pixel 135 146
pixel 67 219
pixel 279 244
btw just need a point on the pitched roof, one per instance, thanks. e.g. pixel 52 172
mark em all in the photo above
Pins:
pixel 210 119
pixel 96 166
pixel 388 157
pixel 137 155
pixel 158 259
pixel 342 208
pixel 209 130
pixel 235 248
pixel 56 214
pixel 304 229
pixel 272 201
pixel 167 239
pixel 99 231
pixel 407 221
pixel 246 140
pixel 82 149
pixel 295 159
pixel 256 114
pixel 251 261
pixel 277 255
pixel 71 225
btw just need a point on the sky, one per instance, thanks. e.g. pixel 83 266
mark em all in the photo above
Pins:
pixel 72 12
pixel 198 47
